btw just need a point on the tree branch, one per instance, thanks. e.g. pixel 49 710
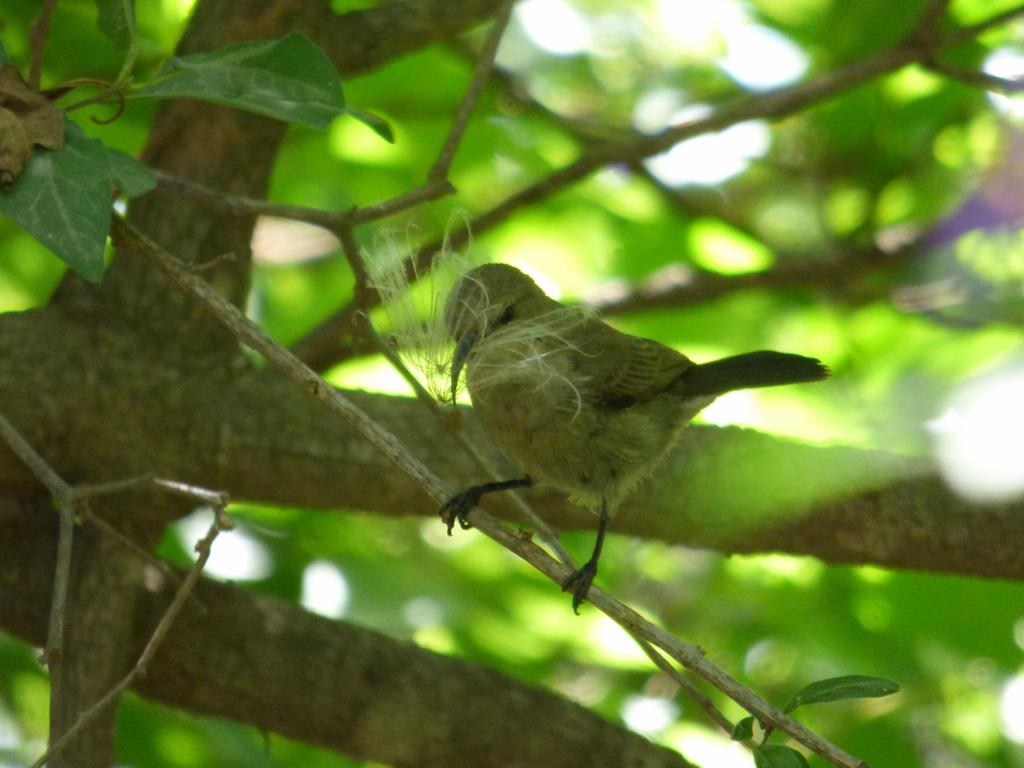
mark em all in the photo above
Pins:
pixel 330 683
pixel 721 488
pixel 131 240
pixel 40 31
pixel 481 73
pixel 88 716
pixel 321 348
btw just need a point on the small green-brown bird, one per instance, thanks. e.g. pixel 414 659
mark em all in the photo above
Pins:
pixel 575 403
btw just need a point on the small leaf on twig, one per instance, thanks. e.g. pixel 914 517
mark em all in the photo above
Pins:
pixel 743 729
pixel 778 756
pixel 378 125
pixel 131 177
pixel 837 688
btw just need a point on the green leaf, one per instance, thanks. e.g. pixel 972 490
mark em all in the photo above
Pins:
pixel 131 177
pixel 378 125
pixel 848 687
pixel 289 79
pixel 116 20
pixel 743 729
pixel 63 197
pixel 4 58
pixel 777 756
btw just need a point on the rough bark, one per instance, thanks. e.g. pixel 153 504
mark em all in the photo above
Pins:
pixel 135 311
pixel 261 439
pixel 272 664
pixel 131 377
pixel 99 627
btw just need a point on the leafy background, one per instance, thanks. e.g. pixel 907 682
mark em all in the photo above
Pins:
pixel 901 155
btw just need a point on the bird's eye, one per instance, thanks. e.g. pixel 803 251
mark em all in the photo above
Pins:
pixel 506 316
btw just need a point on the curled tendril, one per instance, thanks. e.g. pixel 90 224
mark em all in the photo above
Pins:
pixel 109 89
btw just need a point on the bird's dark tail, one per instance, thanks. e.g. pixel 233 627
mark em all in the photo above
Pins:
pixel 753 369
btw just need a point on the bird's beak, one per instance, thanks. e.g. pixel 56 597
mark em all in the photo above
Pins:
pixel 461 352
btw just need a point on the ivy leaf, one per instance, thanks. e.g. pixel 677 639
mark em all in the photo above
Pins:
pixel 288 79
pixel 131 177
pixel 778 756
pixel 743 729
pixel 378 125
pixel 837 688
pixel 63 200
pixel 116 20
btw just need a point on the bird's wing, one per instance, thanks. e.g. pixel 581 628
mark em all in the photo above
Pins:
pixel 630 370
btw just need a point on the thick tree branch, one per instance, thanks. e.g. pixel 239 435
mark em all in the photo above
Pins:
pixel 128 239
pixel 720 488
pixel 329 683
pixel 218 420
pixel 223 428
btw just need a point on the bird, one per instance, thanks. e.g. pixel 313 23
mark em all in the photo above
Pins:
pixel 575 403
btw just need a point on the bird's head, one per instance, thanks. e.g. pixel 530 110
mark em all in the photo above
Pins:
pixel 485 300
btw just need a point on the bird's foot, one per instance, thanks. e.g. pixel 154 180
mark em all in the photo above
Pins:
pixel 579 582
pixel 457 507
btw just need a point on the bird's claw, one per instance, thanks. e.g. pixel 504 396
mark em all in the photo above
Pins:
pixel 458 507
pixel 579 582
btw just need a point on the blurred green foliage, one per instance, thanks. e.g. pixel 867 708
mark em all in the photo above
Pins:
pixel 895 158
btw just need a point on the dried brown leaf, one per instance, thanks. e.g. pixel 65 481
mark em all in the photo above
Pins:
pixel 27 119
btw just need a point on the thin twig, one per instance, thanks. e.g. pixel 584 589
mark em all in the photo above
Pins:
pixel 363 297
pixel 964 34
pixel 129 239
pixel 320 345
pixel 388 352
pixel 350 248
pixel 930 18
pixel 976 78
pixel 693 285
pixel 67 498
pixel 40 468
pixel 248 205
pixel 482 71
pixel 529 514
pixel 203 547
pixel 62 495
pixel 684 653
pixel 128 9
pixel 91 518
pixel 687 685
pixel 40 31
pixel 316 216
pixel 363 294
pixel 431 190
pixel 249 333
pixel 82 492
pixel 189 491
pixel 54 653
